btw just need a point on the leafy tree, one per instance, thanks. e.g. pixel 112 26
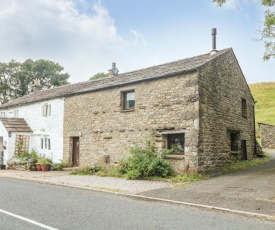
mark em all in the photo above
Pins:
pixel 268 32
pixel 99 75
pixel 16 77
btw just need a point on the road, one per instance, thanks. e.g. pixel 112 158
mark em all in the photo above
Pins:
pixel 31 205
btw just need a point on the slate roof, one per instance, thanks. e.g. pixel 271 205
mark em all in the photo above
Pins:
pixel 180 66
pixel 15 124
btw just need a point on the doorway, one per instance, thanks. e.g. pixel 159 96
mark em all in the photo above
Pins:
pixel 244 150
pixel 75 154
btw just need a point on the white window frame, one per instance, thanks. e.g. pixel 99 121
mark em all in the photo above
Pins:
pixel 46 143
pixel 16 113
pixel 46 110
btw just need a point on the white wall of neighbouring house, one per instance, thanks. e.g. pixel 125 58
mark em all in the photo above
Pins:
pixel 4 142
pixel 44 127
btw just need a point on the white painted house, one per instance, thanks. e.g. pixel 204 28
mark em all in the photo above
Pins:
pixel 42 111
pixel 45 119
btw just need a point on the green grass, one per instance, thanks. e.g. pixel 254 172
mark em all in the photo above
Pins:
pixel 244 164
pixel 264 94
pixel 98 171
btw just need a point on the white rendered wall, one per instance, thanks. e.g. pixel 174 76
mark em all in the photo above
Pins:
pixel 5 138
pixel 49 127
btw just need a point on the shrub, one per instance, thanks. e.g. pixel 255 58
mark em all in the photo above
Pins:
pixel 60 166
pixel 145 163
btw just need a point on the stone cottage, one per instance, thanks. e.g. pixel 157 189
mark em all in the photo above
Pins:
pixel 201 104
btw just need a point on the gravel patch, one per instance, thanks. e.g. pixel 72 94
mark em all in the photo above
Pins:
pixel 96 182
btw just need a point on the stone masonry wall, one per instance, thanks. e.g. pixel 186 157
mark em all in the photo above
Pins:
pixel 267 136
pixel 165 105
pixel 221 88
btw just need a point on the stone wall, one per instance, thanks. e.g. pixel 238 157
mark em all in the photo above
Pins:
pixel 222 87
pixel 166 105
pixel 267 133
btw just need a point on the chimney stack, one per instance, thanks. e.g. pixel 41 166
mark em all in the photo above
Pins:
pixel 36 85
pixel 114 70
pixel 214 33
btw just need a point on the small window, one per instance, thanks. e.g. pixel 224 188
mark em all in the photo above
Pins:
pixel 244 108
pixel 176 142
pixel 15 113
pixel 46 143
pixel 234 141
pixel 46 110
pixel 129 100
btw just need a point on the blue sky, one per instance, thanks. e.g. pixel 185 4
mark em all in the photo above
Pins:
pixel 86 36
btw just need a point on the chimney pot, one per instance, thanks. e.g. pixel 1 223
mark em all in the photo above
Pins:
pixel 214 33
pixel 114 70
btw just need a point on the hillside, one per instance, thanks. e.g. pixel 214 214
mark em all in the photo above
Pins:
pixel 264 95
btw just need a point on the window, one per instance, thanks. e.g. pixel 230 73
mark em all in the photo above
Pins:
pixel 176 142
pixel 15 113
pixel 244 108
pixel 234 141
pixel 46 143
pixel 46 110
pixel 3 114
pixel 128 100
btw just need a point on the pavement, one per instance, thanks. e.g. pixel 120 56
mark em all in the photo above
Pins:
pixel 249 192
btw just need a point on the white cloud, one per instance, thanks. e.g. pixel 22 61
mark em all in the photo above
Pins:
pixel 59 31
pixel 138 37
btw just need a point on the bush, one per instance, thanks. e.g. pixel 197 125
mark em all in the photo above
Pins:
pixel 145 163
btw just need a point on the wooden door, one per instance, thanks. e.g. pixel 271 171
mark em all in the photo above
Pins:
pixel 75 155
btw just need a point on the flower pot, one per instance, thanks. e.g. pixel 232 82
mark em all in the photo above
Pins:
pixel 38 167
pixel 45 167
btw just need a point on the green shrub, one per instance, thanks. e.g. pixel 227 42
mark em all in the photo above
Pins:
pixel 145 163
pixel 59 166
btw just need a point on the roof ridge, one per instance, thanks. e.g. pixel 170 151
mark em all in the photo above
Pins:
pixel 149 73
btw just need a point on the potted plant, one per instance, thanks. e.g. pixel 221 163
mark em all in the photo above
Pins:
pixel 45 163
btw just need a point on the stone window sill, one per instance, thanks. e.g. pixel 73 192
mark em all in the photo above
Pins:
pixel 234 152
pixel 127 110
pixel 175 156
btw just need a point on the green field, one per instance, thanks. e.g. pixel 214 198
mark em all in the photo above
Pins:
pixel 264 95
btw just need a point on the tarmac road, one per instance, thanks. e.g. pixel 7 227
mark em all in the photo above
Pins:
pixel 44 206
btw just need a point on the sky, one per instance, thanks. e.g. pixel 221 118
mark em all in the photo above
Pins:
pixel 86 36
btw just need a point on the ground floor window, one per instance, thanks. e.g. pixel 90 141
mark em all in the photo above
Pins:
pixel 46 143
pixel 234 137
pixel 175 142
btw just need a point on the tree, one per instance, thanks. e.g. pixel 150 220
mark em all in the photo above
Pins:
pixel 268 32
pixel 16 77
pixel 99 75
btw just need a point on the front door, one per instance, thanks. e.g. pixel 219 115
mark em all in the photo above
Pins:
pixel 244 150
pixel 75 155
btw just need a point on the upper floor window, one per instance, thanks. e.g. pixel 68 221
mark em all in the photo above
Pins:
pixel 128 100
pixel 3 114
pixel 15 113
pixel 46 110
pixel 244 108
